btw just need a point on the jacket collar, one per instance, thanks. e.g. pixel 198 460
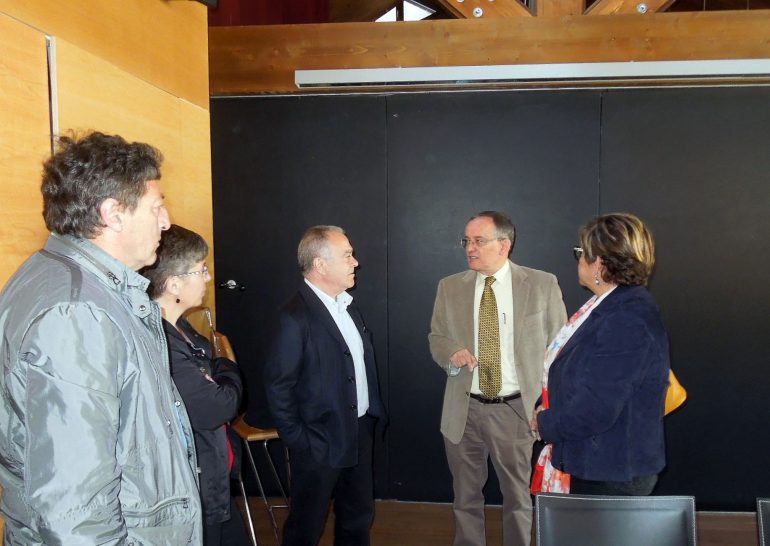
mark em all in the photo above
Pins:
pixel 617 297
pixel 613 300
pixel 110 271
pixel 518 274
pixel 520 290
pixel 317 308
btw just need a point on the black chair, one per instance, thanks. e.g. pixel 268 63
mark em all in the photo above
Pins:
pixel 763 520
pixel 596 520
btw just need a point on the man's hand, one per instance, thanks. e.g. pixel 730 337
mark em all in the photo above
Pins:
pixel 463 358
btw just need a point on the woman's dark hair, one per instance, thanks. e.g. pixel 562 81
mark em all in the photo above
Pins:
pixel 86 171
pixel 624 244
pixel 179 250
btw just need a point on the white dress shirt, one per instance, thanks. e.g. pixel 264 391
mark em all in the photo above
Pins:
pixel 338 309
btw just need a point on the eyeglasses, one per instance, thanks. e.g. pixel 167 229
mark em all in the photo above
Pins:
pixel 465 242
pixel 203 272
pixel 577 252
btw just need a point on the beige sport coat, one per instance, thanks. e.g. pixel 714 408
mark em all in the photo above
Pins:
pixel 538 314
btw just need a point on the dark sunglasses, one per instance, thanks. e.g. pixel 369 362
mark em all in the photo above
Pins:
pixel 577 252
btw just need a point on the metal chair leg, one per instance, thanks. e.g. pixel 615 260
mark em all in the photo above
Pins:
pixel 288 467
pixel 275 476
pixel 262 492
pixel 248 511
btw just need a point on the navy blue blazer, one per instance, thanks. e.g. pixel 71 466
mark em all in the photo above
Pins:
pixel 310 381
pixel 606 390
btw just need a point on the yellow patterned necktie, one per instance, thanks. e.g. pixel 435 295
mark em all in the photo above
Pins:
pixel 490 376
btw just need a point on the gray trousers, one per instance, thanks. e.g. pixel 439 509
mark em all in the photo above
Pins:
pixel 500 432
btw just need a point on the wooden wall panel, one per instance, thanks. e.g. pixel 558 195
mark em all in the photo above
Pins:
pixel 93 94
pixel 162 42
pixel 263 59
pixel 24 141
pixel 136 67
pixel 192 190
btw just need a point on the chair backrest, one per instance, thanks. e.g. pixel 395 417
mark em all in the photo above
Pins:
pixel 597 520
pixel 763 521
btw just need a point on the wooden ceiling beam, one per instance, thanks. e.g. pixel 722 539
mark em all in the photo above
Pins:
pixel 559 8
pixel 452 6
pixel 486 9
pixel 617 7
pixel 262 59
pixel 342 11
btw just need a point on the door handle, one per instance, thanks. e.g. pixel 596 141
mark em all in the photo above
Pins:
pixel 231 284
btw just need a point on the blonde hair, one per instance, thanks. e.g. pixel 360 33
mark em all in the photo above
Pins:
pixel 625 245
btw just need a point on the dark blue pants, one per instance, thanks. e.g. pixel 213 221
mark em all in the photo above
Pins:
pixel 313 484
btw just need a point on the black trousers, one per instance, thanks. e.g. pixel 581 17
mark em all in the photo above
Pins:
pixel 313 484
pixel 228 533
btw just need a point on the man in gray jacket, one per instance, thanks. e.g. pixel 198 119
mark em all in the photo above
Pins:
pixel 95 444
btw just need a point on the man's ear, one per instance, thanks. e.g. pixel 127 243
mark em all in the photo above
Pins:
pixel 319 264
pixel 111 214
pixel 505 247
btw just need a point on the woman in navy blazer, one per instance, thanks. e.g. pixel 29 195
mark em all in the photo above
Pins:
pixel 606 386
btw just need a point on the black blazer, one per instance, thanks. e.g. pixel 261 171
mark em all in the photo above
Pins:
pixel 310 381
pixel 606 390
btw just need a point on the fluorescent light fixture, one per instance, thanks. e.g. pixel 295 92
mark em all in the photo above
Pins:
pixel 523 73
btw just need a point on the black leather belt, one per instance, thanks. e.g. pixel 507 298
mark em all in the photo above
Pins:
pixel 496 399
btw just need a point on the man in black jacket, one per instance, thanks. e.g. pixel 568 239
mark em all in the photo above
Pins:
pixel 322 391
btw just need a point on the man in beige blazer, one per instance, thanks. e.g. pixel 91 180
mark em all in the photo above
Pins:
pixel 488 405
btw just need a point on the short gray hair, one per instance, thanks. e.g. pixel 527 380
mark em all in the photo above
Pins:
pixel 179 250
pixel 504 228
pixel 314 243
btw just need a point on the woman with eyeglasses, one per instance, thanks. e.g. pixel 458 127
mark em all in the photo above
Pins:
pixel 606 372
pixel 210 387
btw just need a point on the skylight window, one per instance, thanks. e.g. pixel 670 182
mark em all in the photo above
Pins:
pixel 413 11
pixel 416 12
pixel 391 15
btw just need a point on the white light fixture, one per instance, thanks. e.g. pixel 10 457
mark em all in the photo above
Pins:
pixel 523 73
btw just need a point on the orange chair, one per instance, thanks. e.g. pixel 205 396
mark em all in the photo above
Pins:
pixel 249 434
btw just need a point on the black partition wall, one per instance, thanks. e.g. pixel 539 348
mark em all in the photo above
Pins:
pixel 401 173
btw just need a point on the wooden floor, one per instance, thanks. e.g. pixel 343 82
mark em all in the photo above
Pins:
pixel 421 524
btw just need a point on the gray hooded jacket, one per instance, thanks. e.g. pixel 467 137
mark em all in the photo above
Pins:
pixel 95 444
